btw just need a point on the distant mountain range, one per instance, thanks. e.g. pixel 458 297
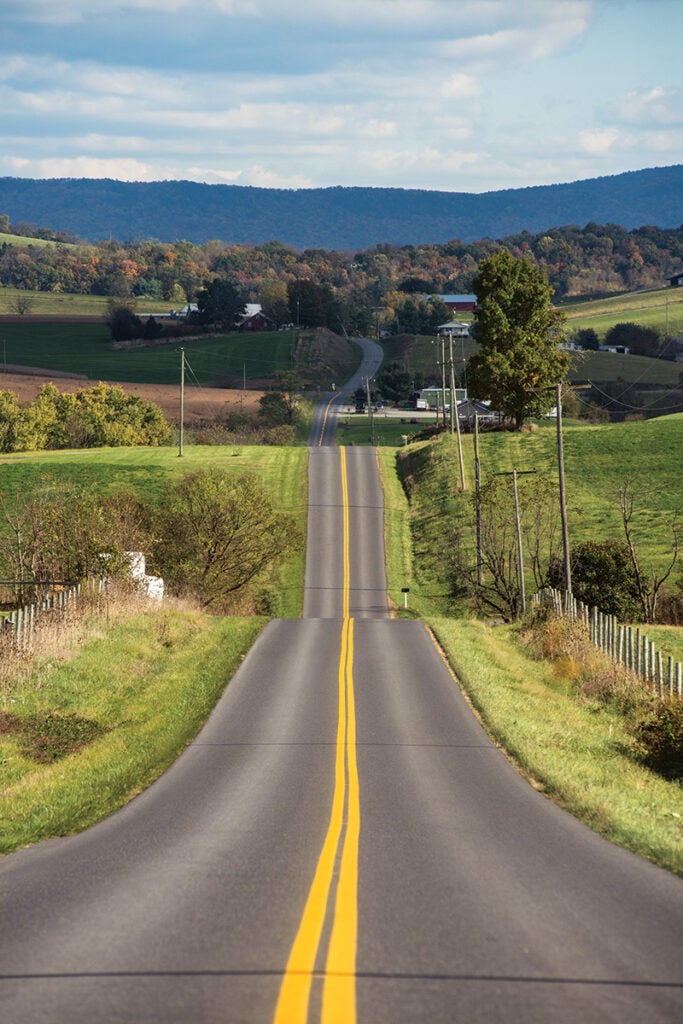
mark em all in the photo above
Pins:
pixel 336 218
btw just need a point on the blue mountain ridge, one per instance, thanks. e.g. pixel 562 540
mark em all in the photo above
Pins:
pixel 343 218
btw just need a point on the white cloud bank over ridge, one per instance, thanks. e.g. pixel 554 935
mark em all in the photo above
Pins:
pixel 471 96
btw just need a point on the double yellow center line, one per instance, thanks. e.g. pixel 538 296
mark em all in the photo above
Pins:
pixel 324 423
pixel 340 847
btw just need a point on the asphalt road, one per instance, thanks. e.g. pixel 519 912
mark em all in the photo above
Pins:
pixel 340 843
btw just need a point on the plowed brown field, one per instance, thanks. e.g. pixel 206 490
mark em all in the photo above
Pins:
pixel 200 403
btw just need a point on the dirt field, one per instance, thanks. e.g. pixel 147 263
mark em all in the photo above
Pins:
pixel 200 403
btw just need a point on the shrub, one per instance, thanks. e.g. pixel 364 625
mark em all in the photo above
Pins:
pixel 602 576
pixel 659 734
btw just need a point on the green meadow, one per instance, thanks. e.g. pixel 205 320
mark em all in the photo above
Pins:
pixel 661 308
pixel 85 348
pixel 282 471
pixel 597 461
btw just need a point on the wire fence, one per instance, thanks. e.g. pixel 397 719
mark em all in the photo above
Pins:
pixel 627 645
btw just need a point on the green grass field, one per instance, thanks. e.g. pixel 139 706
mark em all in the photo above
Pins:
pixel 282 471
pixel 597 461
pixel 21 240
pixel 661 308
pixel 85 348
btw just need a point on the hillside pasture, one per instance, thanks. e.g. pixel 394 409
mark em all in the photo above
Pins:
pixel 85 348
pixel 598 459
pixel 661 308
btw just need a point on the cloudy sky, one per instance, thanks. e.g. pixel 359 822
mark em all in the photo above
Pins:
pixel 459 95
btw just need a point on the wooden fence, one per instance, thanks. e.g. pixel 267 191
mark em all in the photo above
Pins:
pixel 20 625
pixel 627 645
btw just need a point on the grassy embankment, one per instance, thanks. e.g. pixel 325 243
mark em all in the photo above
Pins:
pixel 137 685
pixel 581 754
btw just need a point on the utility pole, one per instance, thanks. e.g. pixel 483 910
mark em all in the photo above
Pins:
pixel 518 532
pixel 455 419
pixel 520 552
pixel 563 499
pixel 372 421
pixel 477 472
pixel 443 380
pixel 560 472
pixel 182 401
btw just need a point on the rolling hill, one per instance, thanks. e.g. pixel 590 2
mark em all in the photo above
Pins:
pixel 336 218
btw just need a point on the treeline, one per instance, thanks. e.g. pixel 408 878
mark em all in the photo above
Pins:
pixel 95 417
pixel 594 259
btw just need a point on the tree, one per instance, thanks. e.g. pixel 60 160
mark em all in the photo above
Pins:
pixel 61 532
pixel 123 323
pixel 311 304
pixel 519 335
pixel 494 585
pixel 602 577
pixel 221 302
pixel 274 302
pixel 649 582
pixel 394 382
pixel 280 405
pixel 21 303
pixel 218 532
pixel 587 338
pixel 641 341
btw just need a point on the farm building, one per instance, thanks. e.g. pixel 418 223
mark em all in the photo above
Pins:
pixel 254 319
pixel 456 328
pixel 459 303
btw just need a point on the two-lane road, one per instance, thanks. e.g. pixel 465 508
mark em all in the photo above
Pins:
pixel 340 843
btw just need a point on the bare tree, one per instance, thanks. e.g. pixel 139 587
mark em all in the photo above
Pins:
pixel 499 590
pixel 648 581
pixel 21 303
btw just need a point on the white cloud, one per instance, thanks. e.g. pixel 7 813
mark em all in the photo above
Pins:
pixel 460 86
pixel 413 93
pixel 82 167
pixel 598 141
pixel 655 107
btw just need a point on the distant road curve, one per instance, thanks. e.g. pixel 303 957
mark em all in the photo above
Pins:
pixel 326 413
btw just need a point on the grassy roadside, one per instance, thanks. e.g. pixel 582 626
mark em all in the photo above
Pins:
pixel 579 754
pixel 139 692
pixel 576 754
pixel 105 706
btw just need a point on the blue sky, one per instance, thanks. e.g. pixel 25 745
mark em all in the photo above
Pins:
pixel 458 95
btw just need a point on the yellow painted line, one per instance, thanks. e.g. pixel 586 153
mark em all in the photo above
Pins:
pixel 346 587
pixel 292 1006
pixel 339 990
pixel 322 429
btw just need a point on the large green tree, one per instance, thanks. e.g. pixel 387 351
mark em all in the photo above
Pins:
pixel 221 302
pixel 218 532
pixel 519 334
